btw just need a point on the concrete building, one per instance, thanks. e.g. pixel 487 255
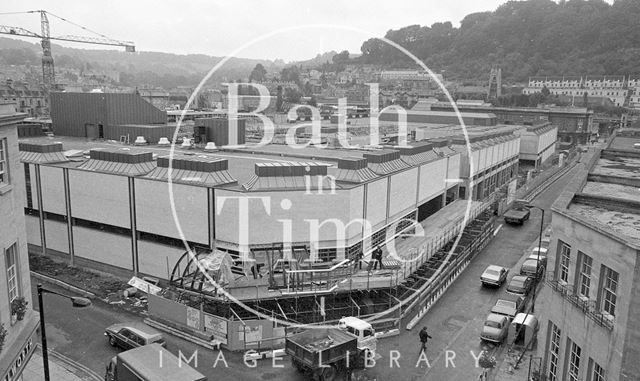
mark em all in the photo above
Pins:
pixel 415 116
pixel 591 295
pixel 537 144
pixel 20 339
pixel 574 123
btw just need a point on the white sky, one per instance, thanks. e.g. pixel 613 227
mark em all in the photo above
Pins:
pixel 218 27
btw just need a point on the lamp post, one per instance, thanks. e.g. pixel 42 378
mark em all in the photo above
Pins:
pixel 78 302
pixel 529 206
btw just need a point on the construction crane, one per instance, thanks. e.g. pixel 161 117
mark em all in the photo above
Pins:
pixel 48 72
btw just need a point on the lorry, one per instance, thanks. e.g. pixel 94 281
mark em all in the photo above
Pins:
pixel 325 353
pixel 517 215
pixel 150 363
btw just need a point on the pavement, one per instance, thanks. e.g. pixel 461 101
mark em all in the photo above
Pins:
pixel 60 369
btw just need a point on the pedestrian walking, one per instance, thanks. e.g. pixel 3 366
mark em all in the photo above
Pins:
pixel 358 261
pixel 377 258
pixel 424 338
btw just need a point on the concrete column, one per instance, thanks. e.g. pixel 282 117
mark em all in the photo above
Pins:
pixel 43 237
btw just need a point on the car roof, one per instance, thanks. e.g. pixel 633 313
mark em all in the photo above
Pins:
pixel 520 278
pixel 494 267
pixel 530 262
pixel 139 330
pixel 356 323
pixel 495 317
pixel 509 297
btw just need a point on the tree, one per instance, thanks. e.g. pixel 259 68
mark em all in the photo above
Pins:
pixel 341 58
pixel 292 95
pixel 279 100
pixel 258 74
pixel 308 89
pixel 545 92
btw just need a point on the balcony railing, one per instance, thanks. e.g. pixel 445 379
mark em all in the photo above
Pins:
pixel 589 307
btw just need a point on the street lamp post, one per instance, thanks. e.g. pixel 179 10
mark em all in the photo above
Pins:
pixel 529 206
pixel 78 302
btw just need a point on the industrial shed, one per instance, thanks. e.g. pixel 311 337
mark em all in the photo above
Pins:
pixel 96 115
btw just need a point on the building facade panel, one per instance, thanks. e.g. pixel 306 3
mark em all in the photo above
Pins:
pixel 103 247
pixel 153 210
pixel 99 197
pixel 158 260
pixel 53 199
pixel 33 229
pixel 404 188
pixel 377 203
pixel 270 218
pixel 453 169
pixel 432 179
pixel 56 235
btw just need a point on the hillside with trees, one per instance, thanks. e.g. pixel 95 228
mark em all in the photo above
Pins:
pixel 165 70
pixel 524 38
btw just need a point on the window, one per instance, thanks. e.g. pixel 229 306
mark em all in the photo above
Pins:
pixel 565 257
pixel 27 184
pixel 585 274
pixel 574 362
pixel 609 289
pixel 554 351
pixel 4 166
pixel 597 373
pixel 11 264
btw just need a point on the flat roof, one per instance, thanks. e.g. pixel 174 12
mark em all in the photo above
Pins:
pixel 611 195
pixel 624 223
pixel 626 192
pixel 620 167
pixel 241 161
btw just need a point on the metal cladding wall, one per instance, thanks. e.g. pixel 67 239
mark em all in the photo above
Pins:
pixel 152 134
pixel 70 112
pixel 218 130
pixel 470 119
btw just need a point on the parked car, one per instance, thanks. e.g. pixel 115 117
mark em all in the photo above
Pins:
pixel 509 306
pixel 494 275
pixel 520 285
pixel 541 258
pixel 495 329
pixel 541 250
pixel 532 268
pixel 546 241
pixel 132 335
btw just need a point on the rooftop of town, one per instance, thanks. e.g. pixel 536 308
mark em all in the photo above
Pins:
pixel 606 191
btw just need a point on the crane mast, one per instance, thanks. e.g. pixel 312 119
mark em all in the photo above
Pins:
pixel 48 71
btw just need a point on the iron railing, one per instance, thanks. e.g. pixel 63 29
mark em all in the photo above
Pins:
pixel 588 306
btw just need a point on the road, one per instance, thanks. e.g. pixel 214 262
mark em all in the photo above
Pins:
pixel 454 322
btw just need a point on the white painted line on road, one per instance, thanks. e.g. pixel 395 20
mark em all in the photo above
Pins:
pixel 497 230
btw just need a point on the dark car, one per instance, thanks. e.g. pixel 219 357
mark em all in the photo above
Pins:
pixel 533 268
pixel 128 336
pixel 520 285
pixel 509 306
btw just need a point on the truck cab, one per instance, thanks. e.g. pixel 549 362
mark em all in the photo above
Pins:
pixel 362 330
